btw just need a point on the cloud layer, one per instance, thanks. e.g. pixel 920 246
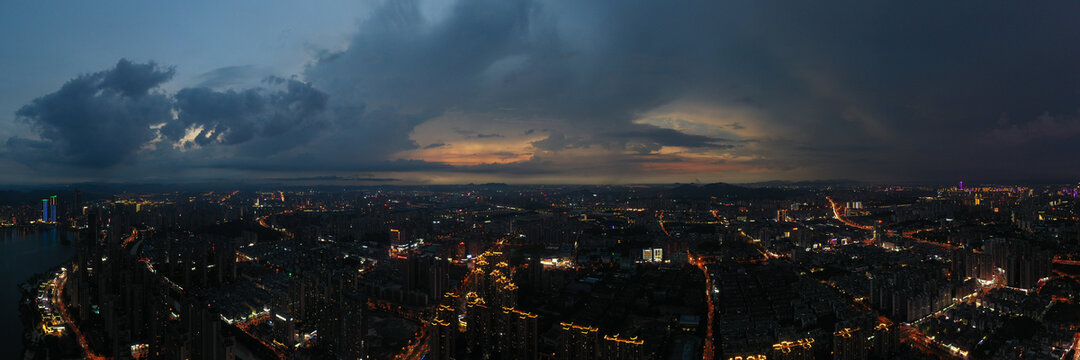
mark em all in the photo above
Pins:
pixel 629 91
pixel 95 120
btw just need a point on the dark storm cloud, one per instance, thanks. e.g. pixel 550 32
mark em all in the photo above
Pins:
pixel 510 55
pixel 887 90
pixel 557 141
pixel 1046 127
pixel 639 138
pixel 434 145
pixel 507 154
pixel 920 82
pixel 316 162
pixel 533 166
pixel 102 119
pixel 397 58
pixel 95 120
pixel 133 79
pixel 233 117
pixel 663 137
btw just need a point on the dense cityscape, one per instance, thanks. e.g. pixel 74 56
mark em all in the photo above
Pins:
pixel 539 180
pixel 716 271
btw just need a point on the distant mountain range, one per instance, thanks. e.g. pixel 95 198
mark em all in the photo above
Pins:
pixel 728 191
pixel 815 183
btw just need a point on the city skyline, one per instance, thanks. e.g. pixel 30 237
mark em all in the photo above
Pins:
pixel 538 92
pixel 808 271
pixel 539 180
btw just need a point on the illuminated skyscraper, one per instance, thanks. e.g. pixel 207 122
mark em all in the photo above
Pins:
pixel 884 340
pixel 519 335
pixel 628 348
pixel 443 333
pixel 395 237
pixel 52 208
pixel 44 209
pixel 480 327
pixel 801 349
pixel 849 344
pixel 579 342
pixel 284 329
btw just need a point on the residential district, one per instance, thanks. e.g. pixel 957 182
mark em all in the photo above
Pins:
pixel 717 271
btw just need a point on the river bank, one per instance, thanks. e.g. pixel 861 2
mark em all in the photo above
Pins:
pixel 26 254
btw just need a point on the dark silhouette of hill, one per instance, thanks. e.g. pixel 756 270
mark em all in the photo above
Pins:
pixel 728 192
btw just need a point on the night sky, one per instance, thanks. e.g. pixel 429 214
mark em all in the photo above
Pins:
pixel 590 92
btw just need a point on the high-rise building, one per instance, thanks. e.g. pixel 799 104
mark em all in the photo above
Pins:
pixel 849 344
pixel 395 237
pixel 479 327
pixel 44 210
pixel 884 341
pixel 77 204
pixel 342 327
pixel 801 349
pixel 284 329
pixel 628 348
pixel 427 275
pixel 579 342
pixel 444 333
pixel 93 225
pixel 52 208
pixel 1026 266
pixel 519 337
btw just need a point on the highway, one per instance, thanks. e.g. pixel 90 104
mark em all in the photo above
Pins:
pixel 707 352
pixel 910 234
pixel 836 214
pixel 1066 261
pixel 262 222
pixel 60 281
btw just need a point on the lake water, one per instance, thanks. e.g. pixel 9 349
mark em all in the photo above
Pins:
pixel 23 253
